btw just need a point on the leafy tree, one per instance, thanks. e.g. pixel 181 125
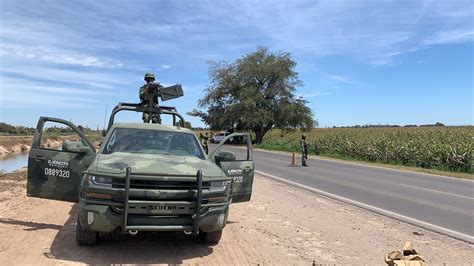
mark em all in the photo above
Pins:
pixel 6 128
pixel 15 130
pixel 187 124
pixel 257 93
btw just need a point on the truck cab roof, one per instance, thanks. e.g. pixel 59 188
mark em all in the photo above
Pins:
pixel 152 127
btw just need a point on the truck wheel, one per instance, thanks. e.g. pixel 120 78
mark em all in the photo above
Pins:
pixel 85 237
pixel 108 236
pixel 211 238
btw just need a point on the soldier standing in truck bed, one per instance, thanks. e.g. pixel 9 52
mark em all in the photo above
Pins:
pixel 145 96
pixel 304 150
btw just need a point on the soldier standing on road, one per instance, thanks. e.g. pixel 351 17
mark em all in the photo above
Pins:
pixel 147 97
pixel 205 143
pixel 304 150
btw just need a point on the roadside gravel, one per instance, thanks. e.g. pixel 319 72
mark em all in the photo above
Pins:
pixel 280 225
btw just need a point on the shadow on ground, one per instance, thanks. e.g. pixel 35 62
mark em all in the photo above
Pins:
pixel 145 248
pixel 32 226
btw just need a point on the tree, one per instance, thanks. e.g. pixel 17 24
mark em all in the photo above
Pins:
pixel 257 93
pixel 187 124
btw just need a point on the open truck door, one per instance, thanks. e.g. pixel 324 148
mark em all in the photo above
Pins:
pixel 56 172
pixel 240 167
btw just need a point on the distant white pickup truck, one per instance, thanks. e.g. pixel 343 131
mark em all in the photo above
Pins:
pixel 219 137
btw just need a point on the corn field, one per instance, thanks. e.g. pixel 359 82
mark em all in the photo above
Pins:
pixel 443 148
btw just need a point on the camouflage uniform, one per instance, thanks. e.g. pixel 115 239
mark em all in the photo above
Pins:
pixel 304 150
pixel 144 99
pixel 205 143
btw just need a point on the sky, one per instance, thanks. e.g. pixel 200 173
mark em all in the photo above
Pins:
pixel 361 62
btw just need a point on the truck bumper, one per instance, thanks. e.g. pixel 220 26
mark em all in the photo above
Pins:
pixel 131 215
pixel 103 218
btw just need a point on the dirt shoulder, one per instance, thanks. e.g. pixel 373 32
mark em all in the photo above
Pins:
pixel 280 225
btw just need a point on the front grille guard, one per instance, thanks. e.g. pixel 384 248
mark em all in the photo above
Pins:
pixel 197 214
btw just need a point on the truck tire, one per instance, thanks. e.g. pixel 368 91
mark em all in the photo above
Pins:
pixel 211 238
pixel 108 236
pixel 85 237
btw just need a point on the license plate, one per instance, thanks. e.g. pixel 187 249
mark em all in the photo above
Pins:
pixel 162 208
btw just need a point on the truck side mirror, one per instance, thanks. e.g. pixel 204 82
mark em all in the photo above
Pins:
pixel 76 146
pixel 224 156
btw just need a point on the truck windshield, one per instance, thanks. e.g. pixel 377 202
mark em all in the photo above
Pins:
pixel 148 141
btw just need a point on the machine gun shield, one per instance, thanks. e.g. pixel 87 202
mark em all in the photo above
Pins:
pixel 171 92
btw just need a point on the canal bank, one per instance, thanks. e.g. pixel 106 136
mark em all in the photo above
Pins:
pixel 14 150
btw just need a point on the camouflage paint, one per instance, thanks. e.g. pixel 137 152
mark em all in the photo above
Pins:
pixel 106 218
pixel 241 172
pixel 117 162
pixel 65 187
pixel 51 186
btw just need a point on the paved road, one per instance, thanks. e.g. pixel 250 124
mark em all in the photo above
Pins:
pixel 444 202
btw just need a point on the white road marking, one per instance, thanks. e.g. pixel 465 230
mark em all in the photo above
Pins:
pixel 403 218
pixel 409 186
pixel 437 191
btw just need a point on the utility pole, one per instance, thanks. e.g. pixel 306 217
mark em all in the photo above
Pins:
pixel 105 116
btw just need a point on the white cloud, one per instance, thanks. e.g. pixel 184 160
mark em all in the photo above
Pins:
pixel 17 92
pixel 99 80
pixel 313 95
pixel 27 86
pixel 451 36
pixel 334 79
pixel 372 31
pixel 342 79
pixel 58 56
pixel 16 98
pixel 83 46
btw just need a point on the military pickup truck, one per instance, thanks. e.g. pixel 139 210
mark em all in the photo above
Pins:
pixel 145 177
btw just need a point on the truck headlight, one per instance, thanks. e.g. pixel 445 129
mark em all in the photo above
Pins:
pixel 219 185
pixel 100 180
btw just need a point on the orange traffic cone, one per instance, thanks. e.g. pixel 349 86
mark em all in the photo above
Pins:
pixel 293 160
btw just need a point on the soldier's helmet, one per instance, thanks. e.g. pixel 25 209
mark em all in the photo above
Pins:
pixel 303 136
pixel 149 76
